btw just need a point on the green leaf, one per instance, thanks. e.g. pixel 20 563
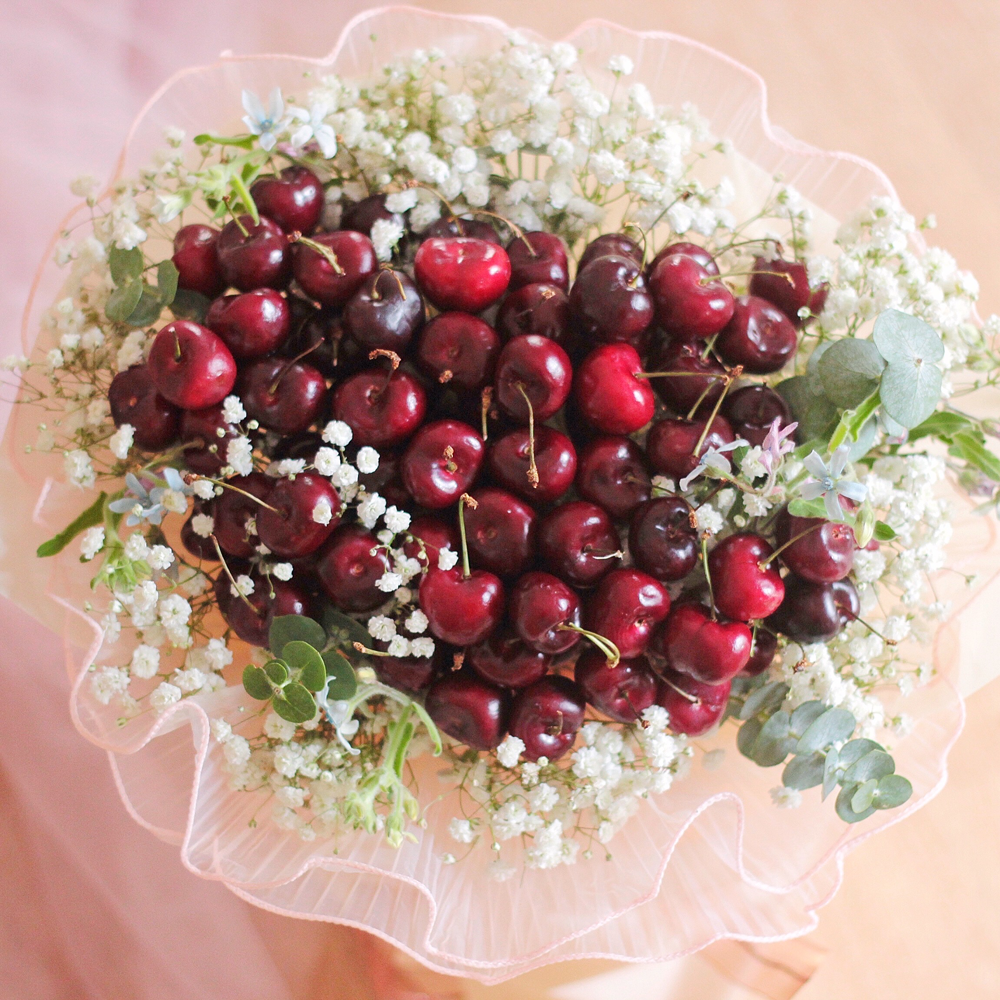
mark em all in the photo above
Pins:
pixel 167 276
pixel 864 795
pixel 875 764
pixel 883 532
pixel 902 337
pixel 816 415
pixel 90 518
pixel 804 772
pixel 976 454
pixel 844 810
pixel 910 391
pixel 148 308
pixel 343 680
pixel 294 704
pixel 345 631
pixel 189 305
pixel 893 790
pixel 943 424
pixel 852 422
pixel 122 301
pixel 747 736
pixel 256 683
pixel 773 744
pixel 805 715
pixel 855 750
pixel 831 774
pixel 850 370
pixel 305 663
pixel 291 628
pixel 808 508
pixel 765 699
pixel 277 671
pixel 243 142
pixel 126 265
pixel 834 725
pixel 865 440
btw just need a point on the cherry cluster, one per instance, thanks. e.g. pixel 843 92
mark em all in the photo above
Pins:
pixel 511 413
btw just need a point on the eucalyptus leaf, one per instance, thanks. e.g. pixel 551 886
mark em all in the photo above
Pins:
pixel 910 390
pixel 125 265
pixel 90 518
pixel 883 532
pixel 294 704
pixel 831 773
pixel 864 795
pixel 844 810
pixel 875 764
pixel 190 305
pixel 816 415
pixel 764 699
pixel 344 630
pixel 167 277
pixel 893 790
pixel 289 628
pixel 305 663
pixel 850 370
pixel 747 736
pixel 343 681
pixel 833 726
pixel 277 671
pixel 256 683
pixel 773 744
pixel 965 445
pixel 122 301
pixel 148 308
pixel 804 772
pixel 855 750
pixel 805 715
pixel 902 337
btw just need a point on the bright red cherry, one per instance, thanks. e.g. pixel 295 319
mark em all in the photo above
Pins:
pixel 234 513
pixel 623 691
pixel 547 716
pixel 753 409
pixel 692 707
pixel 190 366
pixel 610 301
pixel 578 543
pixel 823 551
pixel 504 659
pixel 711 650
pixel 271 598
pixel 292 529
pixel 469 709
pixel 540 608
pixel 611 245
pixel 195 257
pixel 542 310
pixel 349 571
pixel 461 609
pixel 555 459
pixel 785 283
pixel 700 254
pixel 134 400
pixel 536 368
pixel 662 540
pixel 385 312
pixel 254 256
pixel 285 396
pixel 207 436
pixel 252 324
pixel 682 392
pixel 759 337
pixel 442 462
pixel 329 284
pixel 690 302
pixel 608 395
pixel 626 608
pixel 382 407
pixel 459 350
pixel 461 273
pixel 501 532
pixel 765 645
pixel 671 444
pixel 294 198
pixel 744 586
pixel 612 473
pixel 538 257
pixel 815 612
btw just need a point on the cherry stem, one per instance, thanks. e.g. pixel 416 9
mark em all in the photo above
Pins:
pixel 388 269
pixel 381 352
pixel 698 402
pixel 791 541
pixel 237 489
pixel 324 251
pixel 177 348
pixel 462 501
pixel 532 467
pixel 731 376
pixel 243 597
pixel 446 376
pixel 744 274
pixel 487 402
pixel 605 645
pixel 711 375
pixel 874 631
pixel 236 219
pixel 684 694
pixel 708 578
pixel 362 648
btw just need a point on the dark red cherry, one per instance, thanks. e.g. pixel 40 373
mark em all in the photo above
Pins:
pixel 690 302
pixel 753 409
pixel 387 480
pixel 255 256
pixel 538 257
pixel 626 608
pixel 607 393
pixel 547 716
pixel 682 392
pixel 760 337
pixel 785 283
pixel 198 545
pixel 252 324
pixel 555 458
pixel 271 598
pixel 744 588
pixel 461 610
pixel 348 571
pixel 461 273
pixel 662 540
pixel 291 530
pixel 442 462
pixel 135 401
pixel 610 301
pixel 611 245
pixel 693 708
pixel 539 607
pixel 319 338
pixel 207 436
pixel 765 645
pixel 451 225
pixel 383 408
pixel 578 543
pixel 429 534
pixel 385 312
pixel 235 514
pixel 293 198
pixel 360 216
pixel 190 366
pixel 504 659
pixel 612 473
pixel 541 310
pixel 823 550
pixel 196 260
pixel 621 692
pixel 328 284
pixel 285 396
pixel 711 650
pixel 469 709
pixel 459 350
pixel 535 367
pixel 700 254
pixel 409 673
pixel 815 612
pixel 501 532
pixel 671 444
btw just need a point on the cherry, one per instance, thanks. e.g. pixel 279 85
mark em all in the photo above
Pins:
pixel 199 546
pixel 578 543
pixel 442 462
pixel 533 377
pixel 607 393
pixel 362 215
pixel 671 444
pixel 207 435
pixel 252 324
pixel 662 540
pixel 690 302
pixel 409 673
pixel 626 608
pixel 610 301
pixel 711 650
pixel 190 366
pixel 320 279
pixel 823 551
pixel 458 349
pixel 254 256
pixel 462 610
pixel 542 310
pixel 251 619
pixel 285 396
pixel 504 659
pixel 234 511
pixel 700 254
pixel 540 608
pixel 759 337
pixel 547 716
pixel 743 586
pixel 434 534
pixel 621 692
pixel 611 245
pixel 788 289
pixel 461 273
pixel 765 645
pixel 319 338
pixel 348 570
pixel 538 257
pixel 501 532
pixel 453 226
pixel 195 257
pixel 753 409
pixel 612 473
pixel 469 709
pixel 382 408
pixel 815 612
pixel 682 392
pixel 385 312
pixel 134 400
pixel 291 529
pixel 386 480
pixel 294 198
pixel 693 708
pixel 509 460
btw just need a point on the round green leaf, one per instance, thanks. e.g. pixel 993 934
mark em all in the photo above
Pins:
pixel 294 628
pixel 148 308
pixel 875 764
pixel 256 683
pixel 911 390
pixel 893 790
pixel 816 415
pixel 343 681
pixel 125 265
pixel 277 671
pixel 849 370
pixel 804 772
pixel 747 736
pixel 773 744
pixel 344 630
pixel 833 726
pixel 902 337
pixel 863 796
pixel 805 715
pixel 844 810
pixel 855 750
pixel 295 703
pixel 831 772
pixel 765 699
pixel 189 305
pixel 167 277
pixel 122 301
pixel 306 664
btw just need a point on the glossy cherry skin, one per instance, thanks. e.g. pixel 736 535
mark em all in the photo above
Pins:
pixel 434 534
pixel 501 532
pixel 451 225
pixel 409 673
pixel 607 393
pixel 610 301
pixel 504 659
pixel 469 709
pixel 700 254
pixel 348 571
pixel 611 472
pixel 458 349
pixel 539 604
pixel 293 198
pixel 610 245
pixel 555 458
pixel 134 400
pixel 626 608
pixel 690 302
pixel 682 392
pixel 382 409
pixel 461 272
pixel 753 409
pixel 744 589
pixel 461 610
pixel 824 552
pixel 671 443
pixel 542 310
pixel 234 511
pixel 385 312
pixel 815 612
pixel 578 543
pixel 191 367
pixel 318 277
pixel 442 462
pixel 199 546
pixel 362 215
pixel 791 293
pixel 765 645
pixel 712 651
pixel 252 324
pixel 321 334
pixel 621 692
pixel 196 259
pixel 541 368
pixel 271 599
pixel 759 337
pixel 291 531
pixel 258 260
pixel 692 718
pixel 662 540
pixel 206 453
pixel 538 257
pixel 286 397
pixel 547 716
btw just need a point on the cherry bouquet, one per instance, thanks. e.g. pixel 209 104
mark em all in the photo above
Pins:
pixel 465 413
